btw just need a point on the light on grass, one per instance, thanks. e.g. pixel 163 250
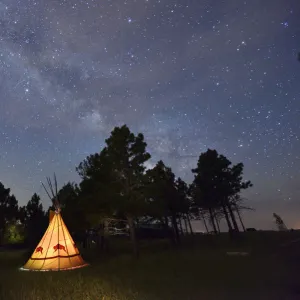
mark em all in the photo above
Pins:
pixel 49 270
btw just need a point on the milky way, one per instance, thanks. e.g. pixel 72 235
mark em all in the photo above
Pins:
pixel 189 74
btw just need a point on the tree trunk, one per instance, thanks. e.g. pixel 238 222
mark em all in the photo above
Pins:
pixel 218 224
pixel 186 225
pixel 168 231
pixel 212 220
pixel 133 236
pixel 166 221
pixel 234 222
pixel 240 218
pixel 189 223
pixel 204 222
pixel 105 240
pixel 227 218
pixel 180 225
pixel 175 227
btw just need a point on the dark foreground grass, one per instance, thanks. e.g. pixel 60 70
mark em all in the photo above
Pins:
pixel 197 272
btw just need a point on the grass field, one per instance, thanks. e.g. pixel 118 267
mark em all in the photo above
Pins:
pixel 200 271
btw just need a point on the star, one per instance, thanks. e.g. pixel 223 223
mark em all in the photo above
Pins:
pixel 188 76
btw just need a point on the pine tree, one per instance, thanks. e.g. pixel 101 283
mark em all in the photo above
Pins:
pixel 120 165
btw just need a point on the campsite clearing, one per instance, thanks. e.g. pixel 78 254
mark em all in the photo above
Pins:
pixel 193 273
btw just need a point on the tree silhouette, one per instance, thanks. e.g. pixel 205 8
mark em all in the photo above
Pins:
pixel 97 188
pixel 237 204
pixel 165 202
pixel 35 220
pixel 216 182
pixel 71 206
pixel 204 189
pixel 185 203
pixel 8 209
pixel 123 161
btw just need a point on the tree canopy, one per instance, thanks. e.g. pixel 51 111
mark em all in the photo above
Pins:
pixel 216 183
pixel 115 184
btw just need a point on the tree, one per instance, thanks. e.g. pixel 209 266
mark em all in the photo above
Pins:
pixel 8 208
pixel 233 187
pixel 185 202
pixel 97 194
pixel 197 212
pixel 237 205
pixel 204 197
pixel 123 161
pixel 216 182
pixel 164 200
pixel 97 188
pixel 34 219
pixel 72 210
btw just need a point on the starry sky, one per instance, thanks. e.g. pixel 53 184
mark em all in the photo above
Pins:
pixel 189 74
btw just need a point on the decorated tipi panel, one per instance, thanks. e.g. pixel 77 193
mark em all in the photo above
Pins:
pixel 56 250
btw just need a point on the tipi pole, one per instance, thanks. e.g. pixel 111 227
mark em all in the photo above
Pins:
pixel 46 191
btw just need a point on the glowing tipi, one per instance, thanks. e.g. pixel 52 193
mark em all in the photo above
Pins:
pixel 56 251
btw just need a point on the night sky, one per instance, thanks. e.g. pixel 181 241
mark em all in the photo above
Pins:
pixel 189 74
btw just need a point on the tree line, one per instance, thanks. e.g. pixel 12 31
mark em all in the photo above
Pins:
pixel 116 184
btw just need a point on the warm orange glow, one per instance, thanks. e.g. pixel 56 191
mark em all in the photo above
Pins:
pixel 56 250
pixel 51 215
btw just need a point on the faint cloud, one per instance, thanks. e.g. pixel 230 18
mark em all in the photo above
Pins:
pixel 94 121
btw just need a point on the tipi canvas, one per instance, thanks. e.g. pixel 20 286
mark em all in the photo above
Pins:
pixel 56 250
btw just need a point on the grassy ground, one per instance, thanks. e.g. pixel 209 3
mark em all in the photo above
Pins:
pixel 200 271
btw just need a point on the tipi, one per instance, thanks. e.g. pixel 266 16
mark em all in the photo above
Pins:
pixel 56 251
